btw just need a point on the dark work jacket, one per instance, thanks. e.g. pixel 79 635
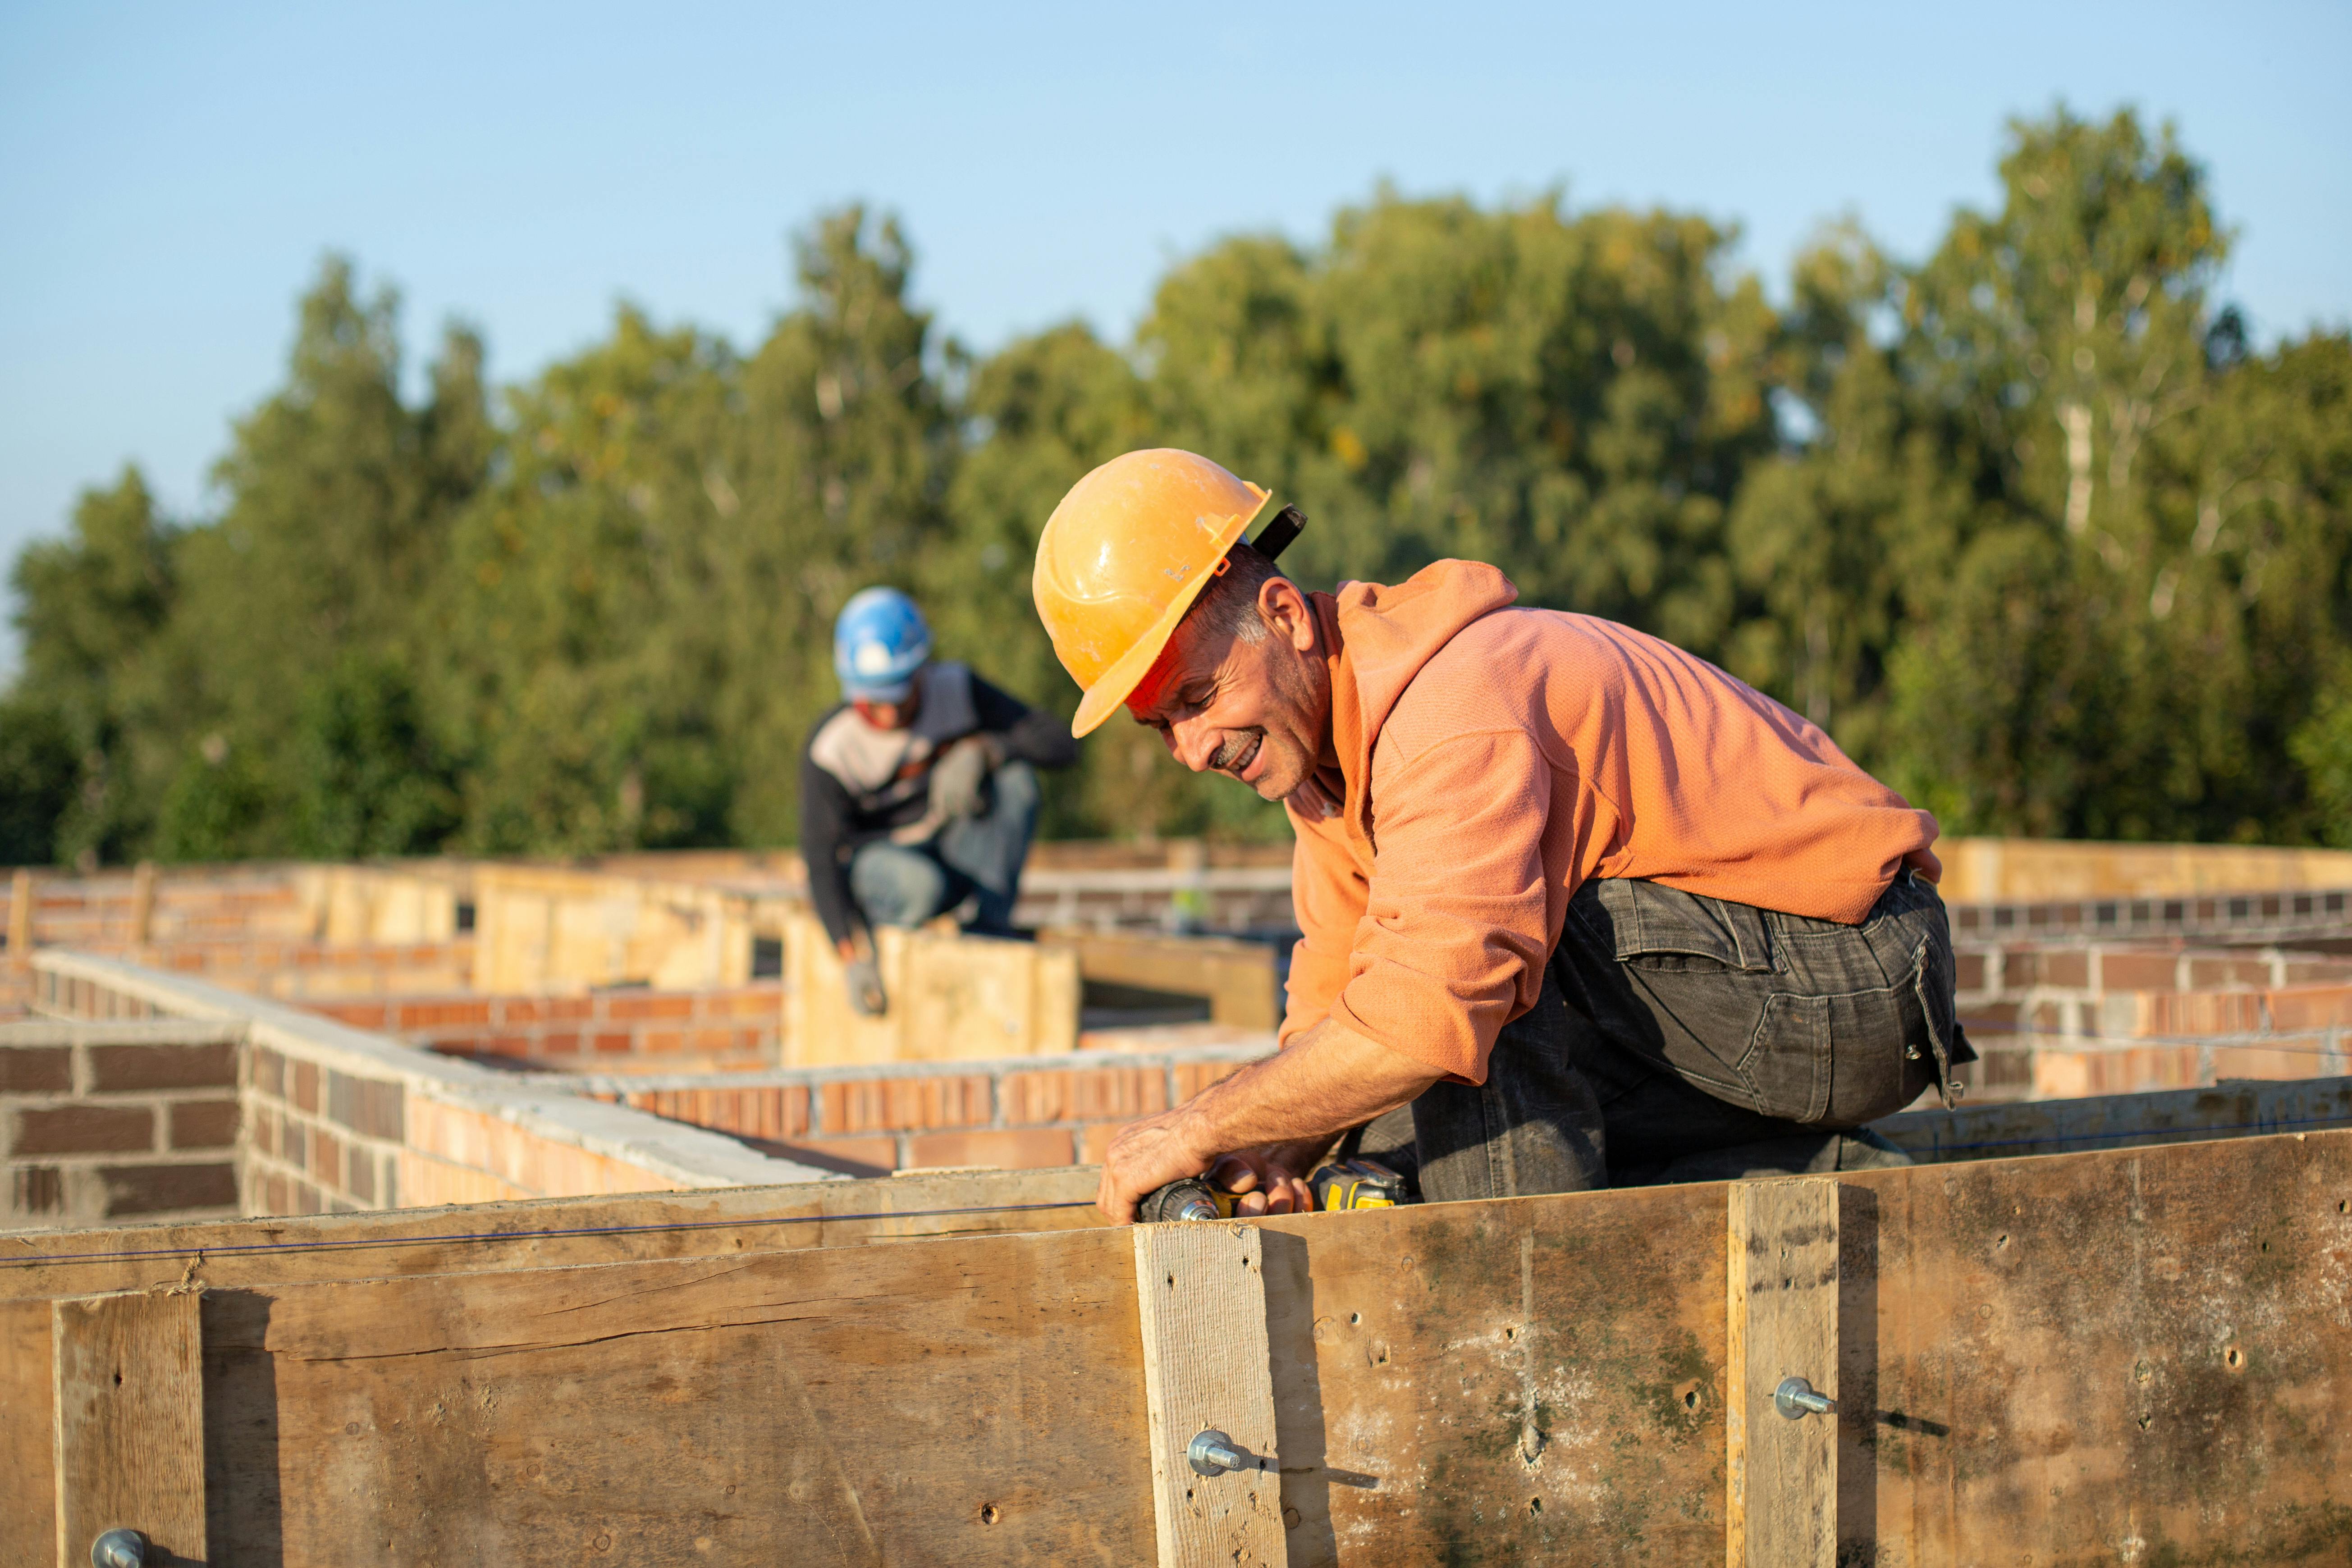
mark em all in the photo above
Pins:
pixel 850 795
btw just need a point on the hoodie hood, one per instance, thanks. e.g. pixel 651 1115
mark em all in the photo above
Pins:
pixel 1378 639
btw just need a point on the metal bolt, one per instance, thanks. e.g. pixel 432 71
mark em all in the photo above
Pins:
pixel 1795 1399
pixel 119 1548
pixel 1212 1453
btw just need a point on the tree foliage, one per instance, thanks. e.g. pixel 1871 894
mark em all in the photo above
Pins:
pixel 2028 525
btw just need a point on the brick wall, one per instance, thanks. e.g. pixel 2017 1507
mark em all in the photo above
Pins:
pixel 1019 1112
pixel 332 1118
pixel 734 1029
pixel 2058 1022
pixel 118 1120
pixel 307 969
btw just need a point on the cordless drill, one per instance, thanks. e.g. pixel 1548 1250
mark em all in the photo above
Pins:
pixel 1357 1183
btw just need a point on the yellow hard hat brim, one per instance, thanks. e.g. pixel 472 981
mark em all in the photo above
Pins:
pixel 1114 685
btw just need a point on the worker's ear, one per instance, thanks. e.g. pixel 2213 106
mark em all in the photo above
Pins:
pixel 1286 614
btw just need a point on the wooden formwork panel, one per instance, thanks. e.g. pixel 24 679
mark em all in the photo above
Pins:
pixel 2130 1355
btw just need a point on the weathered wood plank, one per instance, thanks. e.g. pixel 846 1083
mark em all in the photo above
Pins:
pixel 28 1493
pixel 940 1401
pixel 2138 1356
pixel 1781 1320
pixel 129 1425
pixel 2237 1108
pixel 1201 1301
pixel 1530 1381
pixel 543 1232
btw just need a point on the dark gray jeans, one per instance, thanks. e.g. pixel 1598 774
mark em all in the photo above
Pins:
pixel 1684 1039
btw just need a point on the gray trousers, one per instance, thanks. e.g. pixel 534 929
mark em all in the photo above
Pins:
pixel 1684 1039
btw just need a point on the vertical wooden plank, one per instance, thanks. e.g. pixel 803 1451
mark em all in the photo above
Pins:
pixel 142 904
pixel 1201 1296
pixel 20 919
pixel 1781 1510
pixel 27 1494
pixel 130 1421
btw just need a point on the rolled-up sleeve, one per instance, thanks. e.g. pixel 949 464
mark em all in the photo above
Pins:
pixel 1454 935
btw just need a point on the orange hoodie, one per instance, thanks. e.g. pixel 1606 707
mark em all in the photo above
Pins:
pixel 1493 759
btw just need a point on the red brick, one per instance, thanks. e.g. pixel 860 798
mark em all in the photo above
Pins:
pixel 276 1195
pixel 159 1189
pixel 1968 970
pixel 665 1040
pixel 1085 1095
pixel 293 1142
pixel 305 1086
pixel 619 1007
pixel 360 1184
pixel 443 1014
pixel 1017 1151
pixel 904 1103
pixel 2315 970
pixel 2312 1007
pixel 164 1067
pixel 563 1044
pixel 2205 1013
pixel 327 1157
pixel 270 1072
pixel 84 1130
pixel 204 1124
pixel 2071 968
pixel 2138 972
pixel 358 1015
pixel 614 1045
pixel 36 1069
pixel 2213 974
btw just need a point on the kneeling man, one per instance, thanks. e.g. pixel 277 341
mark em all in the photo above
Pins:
pixel 919 792
pixel 1590 907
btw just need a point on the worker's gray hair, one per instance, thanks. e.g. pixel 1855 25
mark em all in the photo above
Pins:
pixel 1228 605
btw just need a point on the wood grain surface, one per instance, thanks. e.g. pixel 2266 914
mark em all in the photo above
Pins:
pixel 1781 1320
pixel 1201 1305
pixel 130 1424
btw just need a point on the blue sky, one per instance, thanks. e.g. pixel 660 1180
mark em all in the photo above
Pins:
pixel 170 174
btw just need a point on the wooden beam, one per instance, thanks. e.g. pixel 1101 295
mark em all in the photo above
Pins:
pixel 1781 1321
pixel 130 1424
pixel 1200 1291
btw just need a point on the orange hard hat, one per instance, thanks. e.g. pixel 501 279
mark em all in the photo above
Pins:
pixel 1123 556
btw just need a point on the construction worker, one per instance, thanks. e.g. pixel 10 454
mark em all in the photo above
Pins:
pixel 1592 910
pixel 919 792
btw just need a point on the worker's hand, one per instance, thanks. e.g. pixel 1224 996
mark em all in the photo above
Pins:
pixel 1145 1157
pixel 1272 1180
pixel 959 774
pixel 866 993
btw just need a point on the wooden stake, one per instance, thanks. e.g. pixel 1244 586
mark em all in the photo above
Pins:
pixel 130 1421
pixel 143 902
pixel 1201 1294
pixel 1781 1503
pixel 20 919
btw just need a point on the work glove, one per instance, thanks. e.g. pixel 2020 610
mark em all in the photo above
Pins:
pixel 866 993
pixel 958 776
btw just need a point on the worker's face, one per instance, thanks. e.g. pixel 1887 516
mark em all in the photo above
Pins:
pixel 886 715
pixel 1255 710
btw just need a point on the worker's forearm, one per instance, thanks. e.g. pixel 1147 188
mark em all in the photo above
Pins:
pixel 1330 1079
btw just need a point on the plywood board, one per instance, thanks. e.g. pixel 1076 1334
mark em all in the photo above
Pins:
pixel 130 1422
pixel 1780 1322
pixel 1201 1299
pixel 951 997
pixel 1237 977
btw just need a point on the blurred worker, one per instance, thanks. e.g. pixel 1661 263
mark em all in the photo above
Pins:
pixel 919 794
pixel 1590 907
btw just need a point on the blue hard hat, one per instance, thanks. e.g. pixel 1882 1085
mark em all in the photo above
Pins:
pixel 879 643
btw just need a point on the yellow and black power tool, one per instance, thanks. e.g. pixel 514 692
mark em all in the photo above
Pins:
pixel 1342 1184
